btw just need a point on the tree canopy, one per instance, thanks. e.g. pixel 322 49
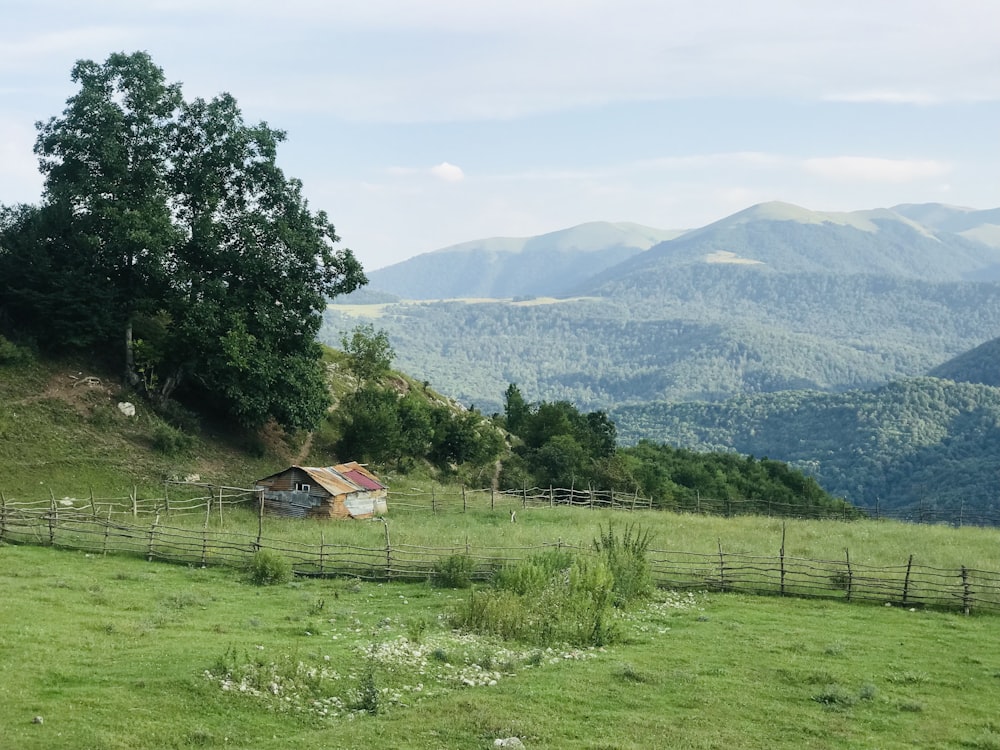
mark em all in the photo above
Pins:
pixel 168 234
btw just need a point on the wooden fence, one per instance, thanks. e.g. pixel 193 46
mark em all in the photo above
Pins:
pixel 195 498
pixel 906 585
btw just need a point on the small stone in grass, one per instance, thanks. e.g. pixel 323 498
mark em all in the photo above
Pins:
pixel 38 720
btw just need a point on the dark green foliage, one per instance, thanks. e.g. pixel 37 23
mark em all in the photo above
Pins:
pixel 267 568
pixel 172 441
pixel 377 425
pixel 454 572
pixel 560 447
pixel 12 354
pixel 369 352
pixel 168 238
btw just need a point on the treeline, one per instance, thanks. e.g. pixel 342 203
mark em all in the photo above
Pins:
pixel 557 445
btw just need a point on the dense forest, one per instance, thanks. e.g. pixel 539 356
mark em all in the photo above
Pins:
pixel 703 333
pixel 917 443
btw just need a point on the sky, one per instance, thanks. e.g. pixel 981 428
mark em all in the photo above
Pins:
pixel 418 124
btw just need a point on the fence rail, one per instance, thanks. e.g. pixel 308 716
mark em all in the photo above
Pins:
pixel 907 585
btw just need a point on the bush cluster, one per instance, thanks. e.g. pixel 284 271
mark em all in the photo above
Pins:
pixel 267 567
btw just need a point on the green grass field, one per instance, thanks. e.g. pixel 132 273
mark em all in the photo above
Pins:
pixel 114 652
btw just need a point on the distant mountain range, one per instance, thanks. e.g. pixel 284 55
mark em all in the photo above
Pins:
pixel 932 242
pixel 547 265
pixel 771 301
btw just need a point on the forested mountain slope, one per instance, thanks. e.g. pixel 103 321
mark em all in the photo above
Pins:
pixel 980 365
pixel 701 333
pixel 918 441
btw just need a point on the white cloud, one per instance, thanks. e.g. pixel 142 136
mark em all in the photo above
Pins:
pixel 448 172
pixel 871 169
pixel 444 171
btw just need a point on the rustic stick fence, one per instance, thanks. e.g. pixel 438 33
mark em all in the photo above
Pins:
pixel 215 501
pixel 907 585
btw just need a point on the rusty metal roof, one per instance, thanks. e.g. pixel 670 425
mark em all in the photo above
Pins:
pixel 360 475
pixel 342 479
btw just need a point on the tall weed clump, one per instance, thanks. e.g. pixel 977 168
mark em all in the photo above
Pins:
pixel 267 568
pixel 546 600
pixel 627 558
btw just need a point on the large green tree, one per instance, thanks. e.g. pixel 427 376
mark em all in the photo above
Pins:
pixel 208 265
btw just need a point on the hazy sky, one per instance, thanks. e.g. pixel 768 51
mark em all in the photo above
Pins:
pixel 418 124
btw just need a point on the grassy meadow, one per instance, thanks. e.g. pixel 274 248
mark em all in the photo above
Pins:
pixel 114 652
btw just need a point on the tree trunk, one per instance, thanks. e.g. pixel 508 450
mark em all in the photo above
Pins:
pixel 131 378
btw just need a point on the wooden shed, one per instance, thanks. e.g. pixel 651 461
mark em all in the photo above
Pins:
pixel 342 491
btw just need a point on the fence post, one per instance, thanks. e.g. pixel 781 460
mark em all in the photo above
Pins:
pixel 524 495
pixel 220 506
pixel 492 497
pixel 634 498
pixel 966 592
pixel 322 544
pixel 552 496
pixel 433 501
pixel 93 508
pixel 166 497
pixel 850 574
pixel 3 515
pixel 204 544
pixel 260 517
pixel 107 532
pixel 388 552
pixel 135 503
pixel 722 568
pixel 782 554
pixel 906 581
pixel 53 518
pixel 152 533
pixel 465 502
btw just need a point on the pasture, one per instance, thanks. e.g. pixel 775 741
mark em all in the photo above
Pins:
pixel 116 652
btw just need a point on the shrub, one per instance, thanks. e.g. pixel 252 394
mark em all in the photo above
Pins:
pixel 545 602
pixel 834 696
pixel 454 572
pixel 268 567
pixel 12 354
pixel 170 441
pixel 627 560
